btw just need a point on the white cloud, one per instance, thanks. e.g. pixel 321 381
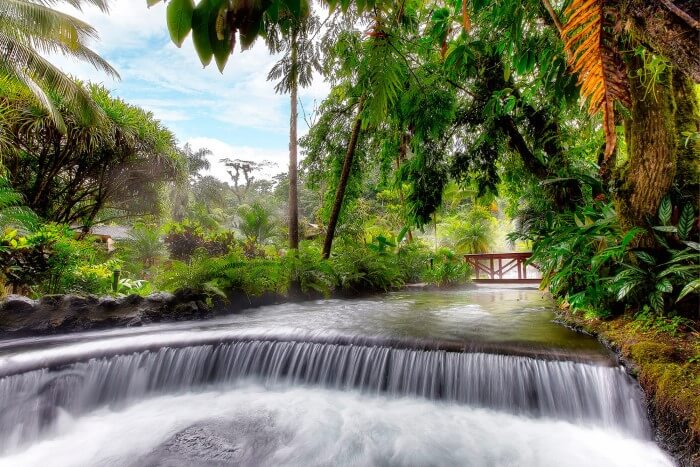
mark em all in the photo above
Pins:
pixel 172 83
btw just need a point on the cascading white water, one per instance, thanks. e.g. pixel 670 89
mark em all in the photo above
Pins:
pixel 565 390
pixel 252 425
pixel 225 394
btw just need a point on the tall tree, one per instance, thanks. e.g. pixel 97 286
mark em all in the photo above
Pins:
pixel 293 36
pixel 373 70
pixel 237 168
pixel 29 29
pixel 343 181
pixel 180 194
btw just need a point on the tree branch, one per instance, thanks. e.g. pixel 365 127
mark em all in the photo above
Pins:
pixel 553 15
pixel 692 22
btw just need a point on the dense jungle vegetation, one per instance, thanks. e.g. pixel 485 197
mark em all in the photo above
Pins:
pixel 451 127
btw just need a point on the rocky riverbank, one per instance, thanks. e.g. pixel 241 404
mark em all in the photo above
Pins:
pixel 668 369
pixel 51 314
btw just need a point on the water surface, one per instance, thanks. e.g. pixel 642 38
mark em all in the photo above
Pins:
pixel 475 377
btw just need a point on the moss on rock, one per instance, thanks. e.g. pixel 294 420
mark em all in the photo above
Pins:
pixel 668 369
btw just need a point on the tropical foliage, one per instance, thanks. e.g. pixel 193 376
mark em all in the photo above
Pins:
pixel 87 172
pixel 29 29
pixel 447 124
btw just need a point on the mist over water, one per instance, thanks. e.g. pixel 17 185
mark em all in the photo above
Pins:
pixel 489 380
pixel 303 426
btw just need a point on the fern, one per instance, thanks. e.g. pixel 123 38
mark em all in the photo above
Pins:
pixel 12 213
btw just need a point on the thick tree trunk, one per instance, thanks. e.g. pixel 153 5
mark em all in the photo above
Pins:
pixel 293 194
pixel 343 183
pixel 649 171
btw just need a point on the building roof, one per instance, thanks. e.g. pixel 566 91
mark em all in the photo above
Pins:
pixel 116 232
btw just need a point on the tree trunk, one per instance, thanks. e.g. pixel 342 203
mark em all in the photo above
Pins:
pixel 293 194
pixel 651 135
pixel 343 182
pixel 687 126
pixel 403 150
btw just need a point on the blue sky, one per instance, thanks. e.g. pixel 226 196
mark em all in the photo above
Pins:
pixel 235 114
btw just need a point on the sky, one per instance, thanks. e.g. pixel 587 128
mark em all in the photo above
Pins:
pixel 236 114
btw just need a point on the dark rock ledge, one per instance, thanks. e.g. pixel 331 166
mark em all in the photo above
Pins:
pixel 51 314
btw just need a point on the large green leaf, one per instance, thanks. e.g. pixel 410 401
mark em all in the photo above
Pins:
pixel 219 34
pixel 665 210
pixel 201 31
pixel 645 257
pixel 179 19
pixel 685 222
pixel 665 228
pixel 693 245
pixel 664 286
pixel 691 287
pixel 656 300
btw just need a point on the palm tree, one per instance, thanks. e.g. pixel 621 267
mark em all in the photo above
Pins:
pixel 295 68
pixel 30 28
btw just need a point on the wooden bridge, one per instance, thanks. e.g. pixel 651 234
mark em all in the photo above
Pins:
pixel 503 268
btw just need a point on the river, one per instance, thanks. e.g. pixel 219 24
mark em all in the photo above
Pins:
pixel 474 377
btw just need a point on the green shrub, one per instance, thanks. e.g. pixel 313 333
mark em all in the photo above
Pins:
pixel 447 269
pixel 185 238
pixel 587 259
pixel 24 260
pixel 413 260
pixel 359 268
pixel 144 249
pixel 223 274
pixel 575 250
pixel 471 231
pixel 309 271
pixel 202 271
pixel 665 278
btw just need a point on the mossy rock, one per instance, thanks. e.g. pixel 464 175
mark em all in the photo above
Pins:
pixel 651 352
pixel 675 388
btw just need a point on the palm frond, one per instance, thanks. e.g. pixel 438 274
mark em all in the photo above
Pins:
pixel 30 28
pixel 38 74
pixel 591 53
pixel 30 19
pixel 77 4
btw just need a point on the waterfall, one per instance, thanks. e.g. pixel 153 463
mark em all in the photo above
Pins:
pixel 573 391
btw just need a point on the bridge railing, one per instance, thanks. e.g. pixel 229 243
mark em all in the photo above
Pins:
pixel 502 267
